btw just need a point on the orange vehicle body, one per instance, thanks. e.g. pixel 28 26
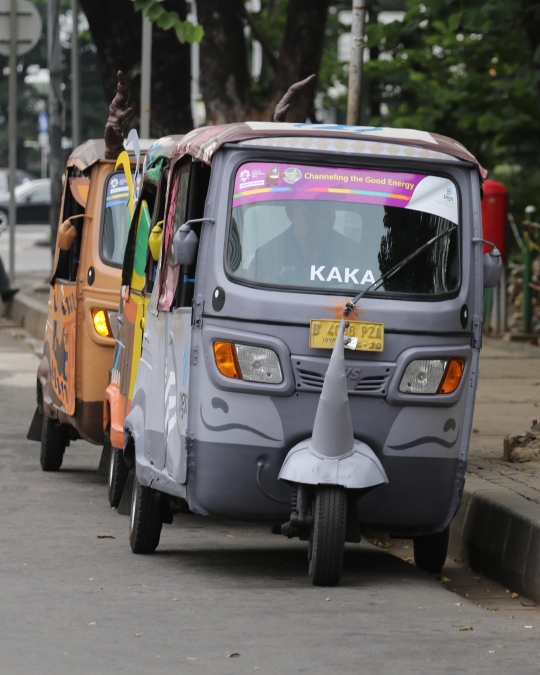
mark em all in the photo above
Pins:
pixel 74 371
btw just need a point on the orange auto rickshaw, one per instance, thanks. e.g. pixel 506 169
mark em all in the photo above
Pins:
pixel 85 288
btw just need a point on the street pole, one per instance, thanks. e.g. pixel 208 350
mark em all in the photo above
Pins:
pixel 356 61
pixel 146 76
pixel 75 77
pixel 12 134
pixel 55 115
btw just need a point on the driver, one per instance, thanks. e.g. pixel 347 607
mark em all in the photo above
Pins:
pixel 311 240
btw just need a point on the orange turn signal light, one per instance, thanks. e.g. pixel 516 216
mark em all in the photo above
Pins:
pixel 452 377
pixel 226 361
pixel 101 323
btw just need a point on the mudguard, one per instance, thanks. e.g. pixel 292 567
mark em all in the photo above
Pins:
pixel 359 468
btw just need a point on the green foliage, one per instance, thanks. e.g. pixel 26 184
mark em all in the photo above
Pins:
pixel 185 30
pixel 466 69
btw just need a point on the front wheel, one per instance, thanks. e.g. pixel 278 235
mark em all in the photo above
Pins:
pixel 118 473
pixel 145 520
pixel 327 541
pixel 430 552
pixel 53 445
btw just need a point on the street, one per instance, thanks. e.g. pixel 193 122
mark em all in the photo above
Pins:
pixel 216 597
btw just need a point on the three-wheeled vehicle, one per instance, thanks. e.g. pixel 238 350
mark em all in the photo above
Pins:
pixel 85 290
pixel 138 274
pixel 284 244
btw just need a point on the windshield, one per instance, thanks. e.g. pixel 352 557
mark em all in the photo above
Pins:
pixel 116 220
pixel 340 229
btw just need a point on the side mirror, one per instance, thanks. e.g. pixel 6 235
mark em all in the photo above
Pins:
pixel 492 268
pixel 65 236
pixel 185 243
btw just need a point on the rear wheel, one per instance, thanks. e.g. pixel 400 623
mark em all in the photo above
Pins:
pixel 53 445
pixel 118 473
pixel 430 552
pixel 145 520
pixel 327 541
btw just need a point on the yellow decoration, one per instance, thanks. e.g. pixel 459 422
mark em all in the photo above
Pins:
pixel 154 240
pixel 124 163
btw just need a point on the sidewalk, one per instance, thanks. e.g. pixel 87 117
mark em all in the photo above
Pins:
pixel 29 307
pixel 497 528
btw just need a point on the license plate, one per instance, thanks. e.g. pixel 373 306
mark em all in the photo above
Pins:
pixel 367 336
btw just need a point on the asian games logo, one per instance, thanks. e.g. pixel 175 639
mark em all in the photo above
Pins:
pixel 244 176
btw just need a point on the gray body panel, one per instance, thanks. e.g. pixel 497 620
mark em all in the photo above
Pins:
pixel 233 426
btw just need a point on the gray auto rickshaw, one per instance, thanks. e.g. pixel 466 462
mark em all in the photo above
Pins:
pixel 310 353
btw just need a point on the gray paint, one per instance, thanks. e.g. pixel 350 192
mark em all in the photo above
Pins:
pixel 332 456
pixel 234 426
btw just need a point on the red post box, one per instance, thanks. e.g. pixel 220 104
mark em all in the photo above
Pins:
pixel 494 209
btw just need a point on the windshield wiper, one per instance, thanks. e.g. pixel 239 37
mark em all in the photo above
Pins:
pixel 376 284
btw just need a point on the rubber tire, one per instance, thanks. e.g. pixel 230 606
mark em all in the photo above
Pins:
pixel 53 445
pixel 327 541
pixel 430 552
pixel 117 477
pixel 145 520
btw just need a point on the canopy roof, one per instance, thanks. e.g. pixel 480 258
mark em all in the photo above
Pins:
pixel 94 150
pixel 203 143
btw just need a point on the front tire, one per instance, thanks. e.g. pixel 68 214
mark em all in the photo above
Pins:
pixel 118 473
pixel 430 552
pixel 327 542
pixel 145 521
pixel 53 445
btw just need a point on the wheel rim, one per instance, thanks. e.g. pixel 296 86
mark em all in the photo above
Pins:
pixel 111 467
pixel 3 221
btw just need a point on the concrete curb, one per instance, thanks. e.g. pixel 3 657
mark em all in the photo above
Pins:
pixel 30 313
pixel 497 532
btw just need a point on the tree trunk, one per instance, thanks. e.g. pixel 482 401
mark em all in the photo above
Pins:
pixel 116 31
pixel 300 56
pixel 530 19
pixel 224 70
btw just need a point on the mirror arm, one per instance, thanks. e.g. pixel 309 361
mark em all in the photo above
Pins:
pixel 494 249
pixel 193 221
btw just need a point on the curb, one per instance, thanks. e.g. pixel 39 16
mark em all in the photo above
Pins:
pixel 29 313
pixel 497 532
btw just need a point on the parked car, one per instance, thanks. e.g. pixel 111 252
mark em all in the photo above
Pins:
pixel 33 199
pixel 20 178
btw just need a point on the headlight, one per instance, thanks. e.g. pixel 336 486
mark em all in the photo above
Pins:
pixel 258 364
pixel 245 362
pixel 105 322
pixel 432 376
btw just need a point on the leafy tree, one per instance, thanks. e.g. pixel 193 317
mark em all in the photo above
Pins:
pixel 468 70
pixel 118 43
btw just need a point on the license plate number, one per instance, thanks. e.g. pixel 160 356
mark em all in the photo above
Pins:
pixel 369 336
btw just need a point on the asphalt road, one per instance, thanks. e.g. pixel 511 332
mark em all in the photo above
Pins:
pixel 73 602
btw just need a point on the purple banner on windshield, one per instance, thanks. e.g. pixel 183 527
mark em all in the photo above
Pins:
pixel 263 181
